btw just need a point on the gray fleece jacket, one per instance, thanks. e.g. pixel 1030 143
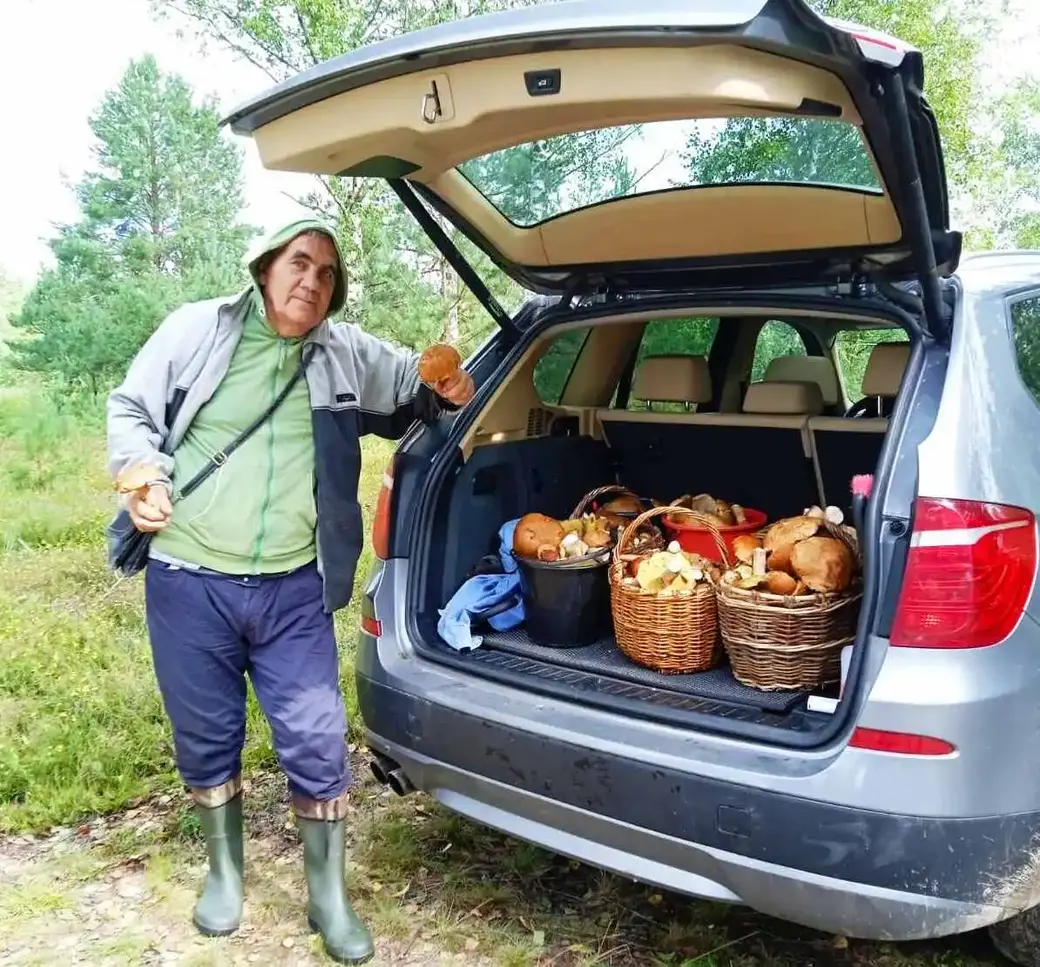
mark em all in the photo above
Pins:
pixel 358 384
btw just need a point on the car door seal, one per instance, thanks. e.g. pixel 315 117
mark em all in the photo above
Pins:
pixel 913 209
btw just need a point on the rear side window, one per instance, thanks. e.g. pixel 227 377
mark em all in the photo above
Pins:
pixel 673 337
pixel 775 338
pixel 1025 331
pixel 552 371
pixel 852 350
pixel 678 337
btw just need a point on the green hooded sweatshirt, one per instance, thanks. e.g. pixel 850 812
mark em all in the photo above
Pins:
pixel 256 514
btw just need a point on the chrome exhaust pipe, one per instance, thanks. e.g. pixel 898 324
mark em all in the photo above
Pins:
pixel 381 767
pixel 399 782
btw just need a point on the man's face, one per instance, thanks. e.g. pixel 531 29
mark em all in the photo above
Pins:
pixel 298 284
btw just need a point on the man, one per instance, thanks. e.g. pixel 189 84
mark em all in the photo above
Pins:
pixel 245 571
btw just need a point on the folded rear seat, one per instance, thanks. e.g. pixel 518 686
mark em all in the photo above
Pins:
pixel 844 447
pixel 759 458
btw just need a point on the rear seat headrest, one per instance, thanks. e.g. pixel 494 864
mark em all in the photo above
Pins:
pixel 885 367
pixel 808 369
pixel 673 379
pixel 784 398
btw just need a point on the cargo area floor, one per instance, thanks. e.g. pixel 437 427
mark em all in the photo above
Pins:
pixel 605 660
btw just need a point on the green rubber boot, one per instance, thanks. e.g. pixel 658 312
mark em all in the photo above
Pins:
pixel 218 911
pixel 347 940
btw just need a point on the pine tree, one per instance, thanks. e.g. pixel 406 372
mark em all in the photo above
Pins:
pixel 159 225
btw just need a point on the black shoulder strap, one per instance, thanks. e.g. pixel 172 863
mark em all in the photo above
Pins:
pixel 221 456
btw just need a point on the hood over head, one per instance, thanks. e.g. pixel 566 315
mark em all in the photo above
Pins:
pixel 278 239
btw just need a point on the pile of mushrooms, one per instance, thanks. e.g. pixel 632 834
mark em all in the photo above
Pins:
pixel 796 556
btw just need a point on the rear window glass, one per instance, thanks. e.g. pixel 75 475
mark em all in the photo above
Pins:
pixel 852 349
pixel 539 180
pixel 775 338
pixel 1025 329
pixel 552 371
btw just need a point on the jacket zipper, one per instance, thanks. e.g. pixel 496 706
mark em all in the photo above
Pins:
pixel 262 529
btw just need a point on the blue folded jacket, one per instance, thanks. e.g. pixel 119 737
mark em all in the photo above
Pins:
pixel 482 593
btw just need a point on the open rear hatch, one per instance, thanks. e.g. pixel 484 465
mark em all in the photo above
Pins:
pixel 445 112
pixel 633 101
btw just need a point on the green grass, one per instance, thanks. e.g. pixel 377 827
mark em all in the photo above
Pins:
pixel 82 728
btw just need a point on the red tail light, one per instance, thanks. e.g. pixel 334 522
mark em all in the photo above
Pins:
pixel 381 520
pixel 969 574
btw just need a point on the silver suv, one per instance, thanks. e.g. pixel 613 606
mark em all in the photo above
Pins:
pixel 745 283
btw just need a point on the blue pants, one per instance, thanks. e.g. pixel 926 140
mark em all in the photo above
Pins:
pixel 207 632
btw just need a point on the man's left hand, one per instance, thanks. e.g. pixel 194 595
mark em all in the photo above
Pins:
pixel 457 389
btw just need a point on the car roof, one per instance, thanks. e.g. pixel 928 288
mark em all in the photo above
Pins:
pixel 1003 269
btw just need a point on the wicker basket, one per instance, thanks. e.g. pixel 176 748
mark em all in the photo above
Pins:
pixel 656 542
pixel 777 642
pixel 676 634
pixel 615 490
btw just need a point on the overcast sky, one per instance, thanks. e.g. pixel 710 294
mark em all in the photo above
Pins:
pixel 61 56
pixel 60 59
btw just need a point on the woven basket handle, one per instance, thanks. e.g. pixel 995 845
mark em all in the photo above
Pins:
pixel 705 522
pixel 599 492
pixel 838 533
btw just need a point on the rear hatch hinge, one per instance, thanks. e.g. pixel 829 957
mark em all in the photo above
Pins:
pixel 905 295
pixel 593 289
pixel 857 286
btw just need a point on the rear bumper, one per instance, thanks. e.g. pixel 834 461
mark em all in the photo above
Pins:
pixel 834 868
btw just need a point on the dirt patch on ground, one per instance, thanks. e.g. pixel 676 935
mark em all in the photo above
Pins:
pixel 120 890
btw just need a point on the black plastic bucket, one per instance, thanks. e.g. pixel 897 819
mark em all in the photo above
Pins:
pixel 565 605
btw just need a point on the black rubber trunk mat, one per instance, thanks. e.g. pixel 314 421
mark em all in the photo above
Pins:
pixel 603 658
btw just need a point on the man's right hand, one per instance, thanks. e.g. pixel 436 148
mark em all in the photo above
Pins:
pixel 152 512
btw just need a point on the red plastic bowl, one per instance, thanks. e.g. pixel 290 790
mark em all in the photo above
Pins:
pixel 697 540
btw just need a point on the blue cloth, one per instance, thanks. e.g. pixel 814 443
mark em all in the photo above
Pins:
pixel 480 593
pixel 209 631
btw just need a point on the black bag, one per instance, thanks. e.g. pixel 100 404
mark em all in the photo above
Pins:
pixel 127 546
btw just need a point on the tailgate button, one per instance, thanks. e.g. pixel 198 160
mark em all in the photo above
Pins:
pixel 540 83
